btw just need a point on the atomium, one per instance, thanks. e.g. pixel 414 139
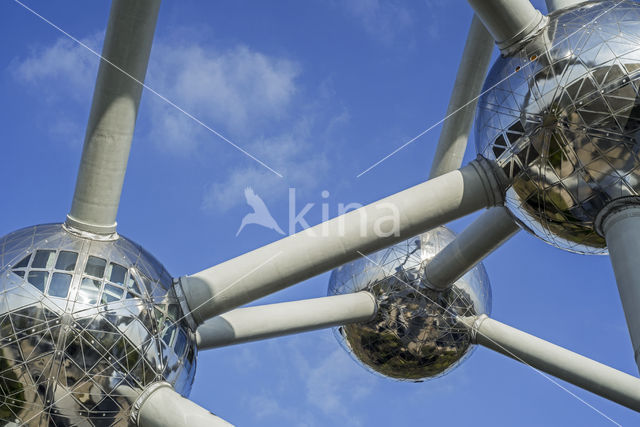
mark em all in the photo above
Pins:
pixel 94 331
pixel 561 117
pixel 84 322
pixel 416 334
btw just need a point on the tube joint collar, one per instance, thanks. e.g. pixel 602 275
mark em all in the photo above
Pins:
pixel 178 286
pixel 624 207
pixel 528 33
pixel 493 180
pixel 136 407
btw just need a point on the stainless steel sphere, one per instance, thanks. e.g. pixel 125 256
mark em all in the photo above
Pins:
pixel 415 334
pixel 82 324
pixel 562 119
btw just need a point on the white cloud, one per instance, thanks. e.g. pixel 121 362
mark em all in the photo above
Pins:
pixel 237 89
pixel 247 95
pixel 252 96
pixel 263 406
pixel 332 383
pixel 62 69
pixel 291 153
pixel 382 19
pixel 61 77
pixel 336 383
pixel 435 8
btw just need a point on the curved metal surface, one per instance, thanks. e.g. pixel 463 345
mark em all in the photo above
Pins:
pixel 415 334
pixel 472 71
pixel 562 117
pixel 85 324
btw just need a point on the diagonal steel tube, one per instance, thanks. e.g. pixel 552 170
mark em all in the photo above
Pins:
pixel 512 23
pixel 462 106
pixel 566 365
pixel 328 245
pixel 161 406
pixel 275 320
pixel 116 98
pixel 492 229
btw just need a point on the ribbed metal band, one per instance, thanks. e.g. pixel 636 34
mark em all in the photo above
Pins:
pixel 137 405
pixel 184 305
pixel 102 230
pixel 375 303
pixel 476 326
pixel 68 226
pixel 520 40
pixel 493 180
pixel 624 207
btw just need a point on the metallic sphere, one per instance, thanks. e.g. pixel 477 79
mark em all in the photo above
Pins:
pixel 84 323
pixel 415 334
pixel 562 119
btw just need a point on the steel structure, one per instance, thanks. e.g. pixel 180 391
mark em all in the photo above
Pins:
pixel 96 332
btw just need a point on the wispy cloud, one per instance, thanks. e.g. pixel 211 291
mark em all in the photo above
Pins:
pixel 291 152
pixel 60 75
pixel 250 96
pixel 390 21
pixel 237 89
pixel 64 65
pixel 384 20
pixel 333 385
pixel 435 8
pixel 328 382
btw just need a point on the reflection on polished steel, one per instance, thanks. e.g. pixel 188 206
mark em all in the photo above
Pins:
pixel 415 334
pixel 80 322
pixel 562 119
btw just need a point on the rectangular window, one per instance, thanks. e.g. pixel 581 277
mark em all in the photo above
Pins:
pixel 116 273
pixel 111 293
pixel 89 290
pixel 66 261
pixel 95 267
pixel 38 279
pixel 44 259
pixel 59 286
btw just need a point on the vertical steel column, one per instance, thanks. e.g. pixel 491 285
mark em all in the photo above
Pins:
pixel 116 97
pixel 511 22
pixel 619 223
pixel 469 80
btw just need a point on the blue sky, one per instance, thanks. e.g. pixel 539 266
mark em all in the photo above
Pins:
pixel 319 90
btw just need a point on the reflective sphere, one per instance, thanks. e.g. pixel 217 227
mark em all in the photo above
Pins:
pixel 415 334
pixel 82 324
pixel 562 119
